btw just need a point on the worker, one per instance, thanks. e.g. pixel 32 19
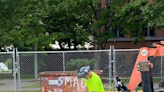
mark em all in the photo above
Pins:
pixel 92 80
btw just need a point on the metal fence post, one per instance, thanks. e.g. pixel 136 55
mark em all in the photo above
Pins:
pixel 114 63
pixel 14 71
pixel 63 61
pixel 18 70
pixel 36 66
pixel 110 73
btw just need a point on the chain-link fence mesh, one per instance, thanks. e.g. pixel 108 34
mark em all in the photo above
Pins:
pixel 60 61
pixel 124 61
pixel 6 72
pixel 156 70
pixel 32 63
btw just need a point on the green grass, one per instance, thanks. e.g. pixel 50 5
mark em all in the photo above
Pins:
pixel 10 76
pixel 37 85
pixel 155 80
pixel 2 84
pixel 6 75
pixel 27 76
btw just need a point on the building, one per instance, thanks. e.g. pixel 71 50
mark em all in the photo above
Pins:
pixel 124 42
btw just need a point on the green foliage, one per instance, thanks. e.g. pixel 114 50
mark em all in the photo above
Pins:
pixel 62 22
pixel 27 23
pixel 76 64
pixel 40 63
pixel 8 63
pixel 133 19
pixel 25 29
pixel 37 85
pixel 154 13
pixel 139 14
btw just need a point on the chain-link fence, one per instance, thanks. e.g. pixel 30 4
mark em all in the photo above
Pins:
pixel 32 63
pixel 29 64
pixel 6 71
pixel 124 61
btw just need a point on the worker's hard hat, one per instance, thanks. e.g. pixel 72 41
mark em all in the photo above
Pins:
pixel 83 71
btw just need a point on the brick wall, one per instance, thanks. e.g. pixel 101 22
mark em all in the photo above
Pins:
pixel 160 33
pixel 129 45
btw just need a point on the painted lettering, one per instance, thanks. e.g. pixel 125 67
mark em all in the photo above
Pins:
pixel 76 82
pixel 60 81
pixel 82 84
pixel 68 79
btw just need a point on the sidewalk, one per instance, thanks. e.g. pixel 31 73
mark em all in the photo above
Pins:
pixel 9 85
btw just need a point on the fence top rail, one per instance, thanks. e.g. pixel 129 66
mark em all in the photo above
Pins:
pixel 6 52
pixel 126 49
pixel 65 51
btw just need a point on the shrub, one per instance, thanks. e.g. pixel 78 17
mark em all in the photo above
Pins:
pixel 76 64
pixel 8 63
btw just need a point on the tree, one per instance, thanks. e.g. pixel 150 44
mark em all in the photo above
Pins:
pixel 25 24
pixel 40 22
pixel 23 27
pixel 6 23
pixel 153 12
pixel 140 14
pixel 102 19
pixel 62 23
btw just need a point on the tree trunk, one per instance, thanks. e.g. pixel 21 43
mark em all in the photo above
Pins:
pixel 98 55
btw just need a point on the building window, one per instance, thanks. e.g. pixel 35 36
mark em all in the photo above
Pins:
pixel 119 33
pixel 149 32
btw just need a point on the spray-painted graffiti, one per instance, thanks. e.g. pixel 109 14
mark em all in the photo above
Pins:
pixel 72 83
pixel 62 84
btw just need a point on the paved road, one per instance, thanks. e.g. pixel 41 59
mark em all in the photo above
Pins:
pixel 9 85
